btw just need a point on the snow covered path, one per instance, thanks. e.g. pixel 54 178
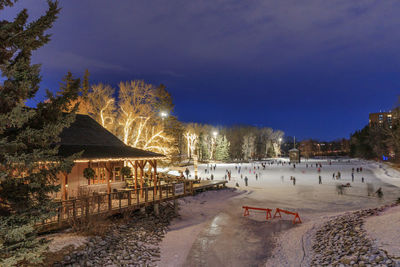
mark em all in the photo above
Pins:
pixel 224 236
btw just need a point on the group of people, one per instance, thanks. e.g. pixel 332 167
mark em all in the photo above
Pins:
pixel 255 169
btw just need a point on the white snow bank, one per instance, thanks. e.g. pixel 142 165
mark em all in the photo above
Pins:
pixel 384 230
pixel 385 173
pixel 60 241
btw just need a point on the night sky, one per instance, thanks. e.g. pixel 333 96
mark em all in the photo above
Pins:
pixel 310 68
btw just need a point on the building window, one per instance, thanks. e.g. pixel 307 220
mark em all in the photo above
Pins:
pixel 117 174
pixel 100 176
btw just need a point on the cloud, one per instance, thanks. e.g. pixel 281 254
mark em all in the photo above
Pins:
pixel 254 35
pixel 172 73
pixel 64 61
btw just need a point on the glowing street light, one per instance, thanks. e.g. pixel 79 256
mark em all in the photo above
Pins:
pixel 163 114
pixel 215 133
pixel 280 140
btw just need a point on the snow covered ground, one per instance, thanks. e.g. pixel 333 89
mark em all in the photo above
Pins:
pixel 213 231
pixel 384 230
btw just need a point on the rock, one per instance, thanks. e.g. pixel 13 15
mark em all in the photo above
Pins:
pixel 343 241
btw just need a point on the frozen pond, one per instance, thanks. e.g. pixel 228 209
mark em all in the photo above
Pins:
pixel 272 187
pixel 213 231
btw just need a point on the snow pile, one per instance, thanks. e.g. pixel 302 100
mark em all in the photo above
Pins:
pixel 384 230
pixel 60 241
pixel 385 173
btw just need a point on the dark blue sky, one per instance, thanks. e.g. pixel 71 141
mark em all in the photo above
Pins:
pixel 310 68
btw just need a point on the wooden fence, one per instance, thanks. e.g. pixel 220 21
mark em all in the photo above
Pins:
pixel 108 204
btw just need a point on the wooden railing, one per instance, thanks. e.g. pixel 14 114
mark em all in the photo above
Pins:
pixel 73 209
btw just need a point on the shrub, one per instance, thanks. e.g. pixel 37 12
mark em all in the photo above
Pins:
pixel 126 171
pixel 89 173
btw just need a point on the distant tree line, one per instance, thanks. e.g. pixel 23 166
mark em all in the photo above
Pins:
pixel 242 142
pixel 312 148
pixel 378 141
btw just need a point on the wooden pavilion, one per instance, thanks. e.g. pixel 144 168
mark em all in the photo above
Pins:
pixel 106 155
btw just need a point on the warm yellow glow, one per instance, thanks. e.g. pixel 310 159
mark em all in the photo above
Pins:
pixel 117 159
pixel 191 141
pixel 103 119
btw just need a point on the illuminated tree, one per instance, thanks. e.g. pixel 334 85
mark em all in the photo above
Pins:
pixel 140 124
pixel 222 148
pixel 249 147
pixel 277 137
pixel 191 141
pixel 99 103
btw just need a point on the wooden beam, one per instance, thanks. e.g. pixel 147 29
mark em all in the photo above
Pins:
pixel 155 176
pixel 136 166
pixel 151 163
pixel 141 165
pixel 108 180
pixel 108 168
pixel 64 188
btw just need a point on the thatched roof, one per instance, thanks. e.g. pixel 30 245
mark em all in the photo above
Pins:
pixel 85 134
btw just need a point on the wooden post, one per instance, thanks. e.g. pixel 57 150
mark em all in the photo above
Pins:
pixel 146 197
pixel 141 166
pixel 109 202
pixel 74 208
pixel 155 175
pixel 59 214
pixel 64 186
pixel 136 174
pixel 87 207
pixel 160 192
pixel 108 177
pixel 151 179
pixel 137 197
pixel 135 167
pixel 191 187
pixel 98 204
pixel 119 198
pixel 129 198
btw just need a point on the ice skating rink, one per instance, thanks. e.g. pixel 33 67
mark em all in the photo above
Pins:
pixel 213 232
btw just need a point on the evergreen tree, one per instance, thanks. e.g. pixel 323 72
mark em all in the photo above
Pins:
pixel 28 156
pixel 360 144
pixel 85 84
pixel 222 148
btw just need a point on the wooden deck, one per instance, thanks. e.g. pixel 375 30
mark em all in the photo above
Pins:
pixel 132 199
pixel 203 185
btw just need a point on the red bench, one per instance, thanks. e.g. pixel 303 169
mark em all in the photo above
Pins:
pixel 247 208
pixel 296 215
